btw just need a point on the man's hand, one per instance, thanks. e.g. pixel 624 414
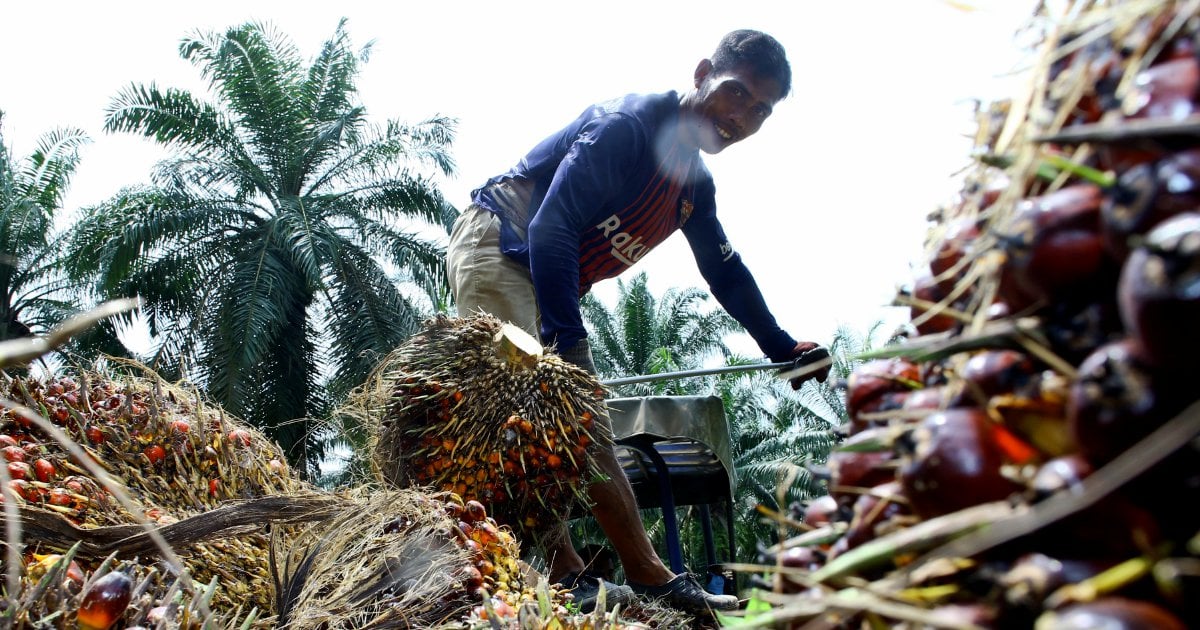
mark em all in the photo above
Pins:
pixel 820 374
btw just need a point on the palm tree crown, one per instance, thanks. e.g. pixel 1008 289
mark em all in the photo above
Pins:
pixel 648 335
pixel 269 248
pixel 31 191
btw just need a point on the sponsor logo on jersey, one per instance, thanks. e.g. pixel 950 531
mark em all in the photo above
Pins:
pixel 625 247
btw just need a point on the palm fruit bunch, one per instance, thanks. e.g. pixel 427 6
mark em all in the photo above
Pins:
pixel 475 406
pixel 406 558
pixel 117 594
pixel 1027 455
pixel 168 454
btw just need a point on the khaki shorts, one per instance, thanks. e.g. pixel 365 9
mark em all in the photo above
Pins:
pixel 482 278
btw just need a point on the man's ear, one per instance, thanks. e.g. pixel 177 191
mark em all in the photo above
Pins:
pixel 702 71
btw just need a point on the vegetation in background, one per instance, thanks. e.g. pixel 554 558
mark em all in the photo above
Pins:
pixel 285 246
pixel 34 294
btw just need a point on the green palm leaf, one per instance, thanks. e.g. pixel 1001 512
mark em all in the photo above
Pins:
pixel 284 244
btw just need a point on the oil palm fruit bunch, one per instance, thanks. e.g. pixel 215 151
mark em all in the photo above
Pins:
pixel 476 407
pixel 58 592
pixel 405 558
pixel 171 454
pixel 1024 457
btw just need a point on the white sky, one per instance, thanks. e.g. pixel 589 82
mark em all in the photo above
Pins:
pixel 827 204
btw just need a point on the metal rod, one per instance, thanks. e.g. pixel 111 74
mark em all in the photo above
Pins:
pixel 664 376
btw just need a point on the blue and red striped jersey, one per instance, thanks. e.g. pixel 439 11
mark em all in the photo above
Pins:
pixel 591 200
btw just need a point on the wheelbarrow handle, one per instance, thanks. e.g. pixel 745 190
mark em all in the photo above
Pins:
pixel 791 366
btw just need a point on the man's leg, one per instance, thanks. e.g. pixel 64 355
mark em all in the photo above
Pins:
pixel 482 278
pixel 615 508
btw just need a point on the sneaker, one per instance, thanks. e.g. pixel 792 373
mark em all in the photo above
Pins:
pixel 585 591
pixel 685 593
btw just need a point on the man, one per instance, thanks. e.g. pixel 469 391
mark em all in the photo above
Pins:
pixel 587 203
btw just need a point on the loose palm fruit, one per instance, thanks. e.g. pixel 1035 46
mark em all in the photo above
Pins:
pixel 105 602
pixel 957 462
pixel 872 510
pixel 1146 195
pixel 879 385
pixel 1117 399
pixel 1159 292
pixel 1053 247
pixel 1117 613
pixel 821 511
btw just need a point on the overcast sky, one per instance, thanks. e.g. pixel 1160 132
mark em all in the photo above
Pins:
pixel 827 204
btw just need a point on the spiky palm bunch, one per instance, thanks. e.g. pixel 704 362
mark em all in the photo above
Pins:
pixel 276 247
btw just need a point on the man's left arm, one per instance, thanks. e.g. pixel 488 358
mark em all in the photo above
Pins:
pixel 731 282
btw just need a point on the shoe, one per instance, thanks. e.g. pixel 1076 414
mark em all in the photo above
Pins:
pixel 685 593
pixel 585 591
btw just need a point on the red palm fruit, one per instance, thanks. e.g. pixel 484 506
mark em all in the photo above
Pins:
pixel 105 601
pixel 952 250
pixel 804 558
pixel 20 470
pixel 1053 247
pixel 1118 613
pixel 13 453
pixel 992 372
pixel 1034 576
pixel 853 470
pixel 475 511
pixel 873 509
pixel 957 462
pixel 240 437
pixel 44 469
pixel 1157 293
pixel 936 398
pixel 1167 89
pixel 879 385
pixel 1117 399
pixel 155 453
pixel 1147 195
pixel 929 312
pixel 821 511
pixel 94 434
pixel 1111 529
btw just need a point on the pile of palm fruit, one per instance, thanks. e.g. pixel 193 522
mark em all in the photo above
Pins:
pixel 130 502
pixel 475 406
pixel 136 504
pixel 143 452
pixel 1028 455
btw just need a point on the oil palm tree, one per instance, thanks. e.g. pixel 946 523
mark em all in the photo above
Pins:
pixel 34 296
pixel 648 335
pixel 287 243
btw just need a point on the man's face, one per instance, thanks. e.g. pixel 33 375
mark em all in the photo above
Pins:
pixel 728 106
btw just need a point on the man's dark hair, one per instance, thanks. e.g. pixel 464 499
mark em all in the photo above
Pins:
pixel 763 53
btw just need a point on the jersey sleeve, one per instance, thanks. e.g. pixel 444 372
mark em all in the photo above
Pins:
pixel 596 165
pixel 731 283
